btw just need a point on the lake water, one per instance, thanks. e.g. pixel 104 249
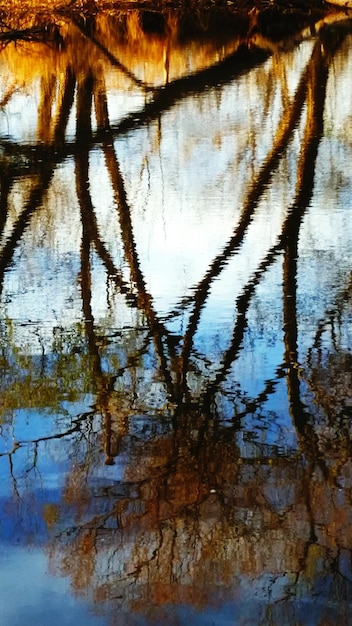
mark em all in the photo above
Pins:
pixel 175 322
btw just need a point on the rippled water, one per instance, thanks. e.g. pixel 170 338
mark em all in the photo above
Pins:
pixel 176 324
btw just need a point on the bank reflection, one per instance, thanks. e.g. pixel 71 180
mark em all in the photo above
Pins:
pixel 162 356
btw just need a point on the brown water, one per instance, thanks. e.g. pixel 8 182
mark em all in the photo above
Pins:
pixel 176 324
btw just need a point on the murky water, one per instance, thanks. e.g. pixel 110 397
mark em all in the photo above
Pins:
pixel 176 324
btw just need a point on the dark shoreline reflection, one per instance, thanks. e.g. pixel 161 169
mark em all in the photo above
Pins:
pixel 175 321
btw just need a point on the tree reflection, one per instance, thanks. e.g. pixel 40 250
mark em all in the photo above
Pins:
pixel 197 503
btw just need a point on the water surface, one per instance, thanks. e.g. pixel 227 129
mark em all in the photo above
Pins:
pixel 176 323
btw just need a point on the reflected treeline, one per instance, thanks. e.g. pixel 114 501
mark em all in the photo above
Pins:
pixel 171 495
